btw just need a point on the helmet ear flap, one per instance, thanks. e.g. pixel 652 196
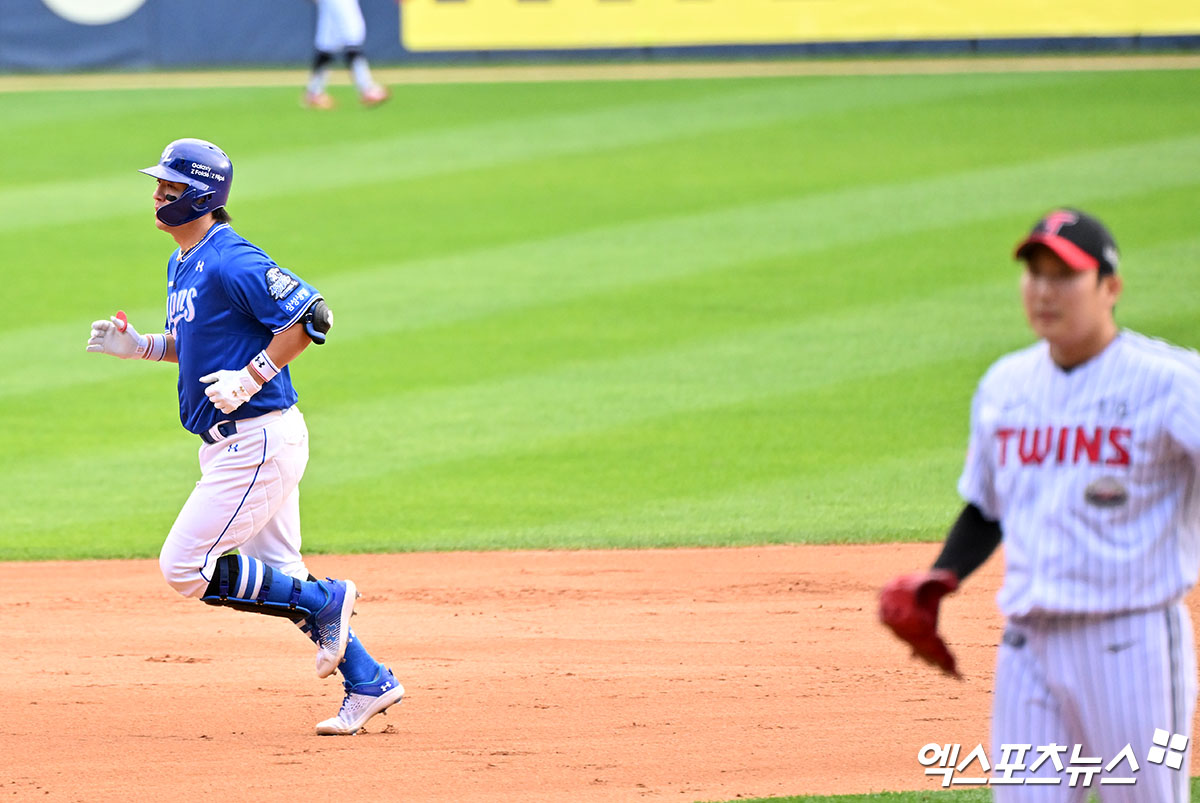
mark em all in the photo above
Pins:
pixel 187 207
pixel 175 213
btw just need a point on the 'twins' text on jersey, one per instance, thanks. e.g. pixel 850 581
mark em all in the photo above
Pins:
pixel 1061 445
pixel 1090 473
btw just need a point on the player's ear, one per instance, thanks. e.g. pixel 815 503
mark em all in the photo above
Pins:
pixel 1111 285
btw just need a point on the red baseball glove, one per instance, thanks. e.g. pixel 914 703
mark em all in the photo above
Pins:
pixel 909 606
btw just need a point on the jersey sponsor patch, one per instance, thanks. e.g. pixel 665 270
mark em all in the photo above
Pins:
pixel 1106 492
pixel 280 284
pixel 297 301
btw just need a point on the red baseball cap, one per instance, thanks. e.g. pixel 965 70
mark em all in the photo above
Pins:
pixel 1079 239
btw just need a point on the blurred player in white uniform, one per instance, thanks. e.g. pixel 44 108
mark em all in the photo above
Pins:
pixel 341 30
pixel 1083 459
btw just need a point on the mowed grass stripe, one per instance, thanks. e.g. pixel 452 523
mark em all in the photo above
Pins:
pixel 836 505
pixel 406 428
pixel 522 340
pixel 578 264
pixel 236 116
pixel 401 296
pixel 652 317
pixel 253 123
pixel 809 464
pixel 407 156
pixel 550 196
pixel 68 440
pixel 715 461
pixel 482 430
pixel 707 171
pixel 841 446
pixel 519 341
pixel 422 427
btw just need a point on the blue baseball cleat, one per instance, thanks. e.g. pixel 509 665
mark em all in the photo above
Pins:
pixel 332 625
pixel 363 702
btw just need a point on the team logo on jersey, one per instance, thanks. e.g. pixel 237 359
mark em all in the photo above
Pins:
pixel 1106 492
pixel 1036 446
pixel 279 284
pixel 181 306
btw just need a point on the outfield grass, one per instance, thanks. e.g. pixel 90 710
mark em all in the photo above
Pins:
pixel 601 314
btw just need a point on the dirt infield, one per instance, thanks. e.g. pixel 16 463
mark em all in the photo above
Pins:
pixel 583 676
pixel 663 70
pixel 532 676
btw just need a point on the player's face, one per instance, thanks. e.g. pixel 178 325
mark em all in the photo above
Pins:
pixel 164 193
pixel 1071 309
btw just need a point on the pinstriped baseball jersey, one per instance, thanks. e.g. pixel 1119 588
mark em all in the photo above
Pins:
pixel 1092 475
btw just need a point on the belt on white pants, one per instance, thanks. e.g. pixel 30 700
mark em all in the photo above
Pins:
pixel 224 429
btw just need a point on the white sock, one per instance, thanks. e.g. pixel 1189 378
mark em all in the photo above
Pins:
pixel 362 73
pixel 316 84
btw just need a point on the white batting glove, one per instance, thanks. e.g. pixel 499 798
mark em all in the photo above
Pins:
pixel 117 337
pixel 229 390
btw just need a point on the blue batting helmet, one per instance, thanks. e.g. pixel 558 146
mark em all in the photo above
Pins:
pixel 206 171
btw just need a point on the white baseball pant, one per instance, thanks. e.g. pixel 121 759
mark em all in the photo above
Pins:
pixel 340 25
pixel 1103 683
pixel 248 498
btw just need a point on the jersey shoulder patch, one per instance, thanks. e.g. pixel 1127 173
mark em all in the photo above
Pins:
pixel 280 283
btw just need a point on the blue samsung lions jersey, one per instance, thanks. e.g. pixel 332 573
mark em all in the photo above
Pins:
pixel 226 300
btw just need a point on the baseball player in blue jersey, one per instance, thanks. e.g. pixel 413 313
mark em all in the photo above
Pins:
pixel 234 322
pixel 1083 459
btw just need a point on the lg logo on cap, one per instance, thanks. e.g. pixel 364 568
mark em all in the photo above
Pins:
pixel 94 12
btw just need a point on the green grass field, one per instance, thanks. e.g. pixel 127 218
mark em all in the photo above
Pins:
pixel 600 314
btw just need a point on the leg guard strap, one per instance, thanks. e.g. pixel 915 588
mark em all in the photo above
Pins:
pixel 223 576
pixel 254 606
pixel 321 59
pixel 226 578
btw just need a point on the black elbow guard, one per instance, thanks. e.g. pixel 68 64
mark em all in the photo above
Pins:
pixel 318 320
